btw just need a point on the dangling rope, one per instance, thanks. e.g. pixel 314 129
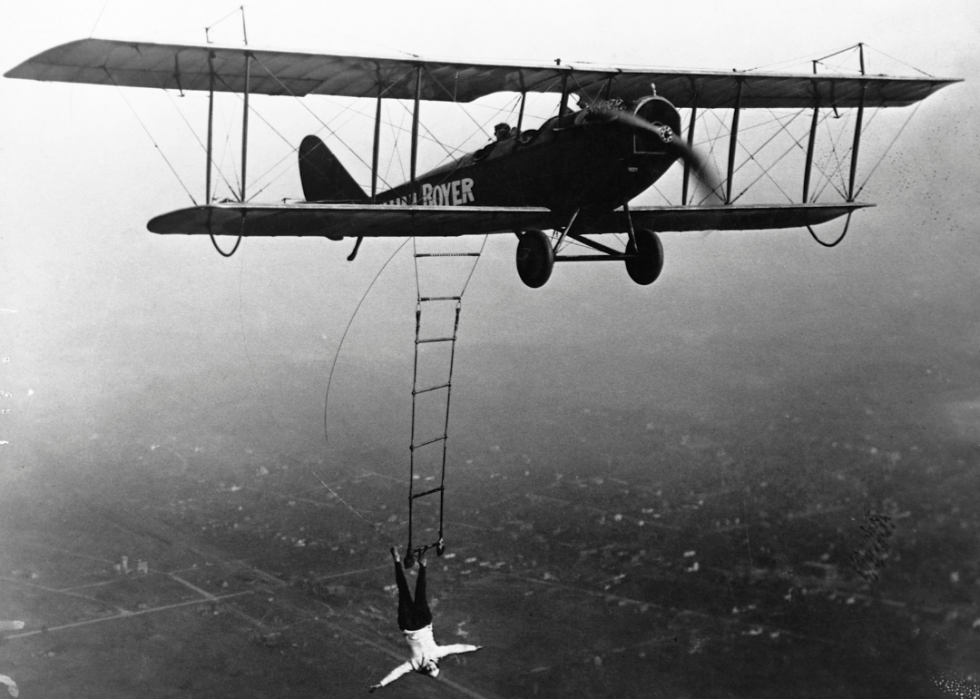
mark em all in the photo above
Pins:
pixel 834 244
pixel 237 242
pixel 326 397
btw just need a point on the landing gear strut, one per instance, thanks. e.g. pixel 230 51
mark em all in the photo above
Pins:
pixel 535 258
pixel 648 260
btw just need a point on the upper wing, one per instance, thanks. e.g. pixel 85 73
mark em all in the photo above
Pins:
pixel 350 220
pixel 187 67
pixel 723 218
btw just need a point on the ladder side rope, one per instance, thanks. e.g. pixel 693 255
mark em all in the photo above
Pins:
pixel 416 391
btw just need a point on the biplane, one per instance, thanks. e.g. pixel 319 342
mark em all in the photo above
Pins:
pixel 574 174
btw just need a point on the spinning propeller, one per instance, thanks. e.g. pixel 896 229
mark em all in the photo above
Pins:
pixel 675 145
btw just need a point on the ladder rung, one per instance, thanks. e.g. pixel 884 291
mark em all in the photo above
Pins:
pixel 431 441
pixel 432 388
pixel 447 254
pixel 428 492
pixel 440 298
pixel 436 339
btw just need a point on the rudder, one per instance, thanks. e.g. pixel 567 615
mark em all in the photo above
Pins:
pixel 323 176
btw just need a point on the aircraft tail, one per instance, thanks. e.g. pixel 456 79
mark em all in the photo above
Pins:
pixel 323 176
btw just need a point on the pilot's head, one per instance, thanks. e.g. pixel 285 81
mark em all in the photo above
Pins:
pixel 502 131
pixel 430 667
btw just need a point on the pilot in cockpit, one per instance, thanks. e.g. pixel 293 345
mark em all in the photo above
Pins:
pixel 503 131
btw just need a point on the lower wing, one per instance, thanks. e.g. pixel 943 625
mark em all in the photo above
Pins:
pixel 338 221
pixel 722 218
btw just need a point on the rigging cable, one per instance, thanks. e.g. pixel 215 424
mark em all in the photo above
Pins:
pixel 887 149
pixel 98 19
pixel 152 140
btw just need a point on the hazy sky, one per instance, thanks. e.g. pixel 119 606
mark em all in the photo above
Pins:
pixel 80 178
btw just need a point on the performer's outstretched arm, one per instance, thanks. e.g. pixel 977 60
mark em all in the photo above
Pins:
pixel 392 676
pixel 457 648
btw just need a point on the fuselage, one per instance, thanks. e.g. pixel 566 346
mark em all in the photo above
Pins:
pixel 582 160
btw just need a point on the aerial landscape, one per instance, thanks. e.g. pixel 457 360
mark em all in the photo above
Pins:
pixel 756 477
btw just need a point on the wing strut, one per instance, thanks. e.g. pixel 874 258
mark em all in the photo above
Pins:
pixel 690 145
pixel 857 144
pixel 207 171
pixel 415 131
pixel 733 142
pixel 811 139
pixel 377 146
pixel 248 73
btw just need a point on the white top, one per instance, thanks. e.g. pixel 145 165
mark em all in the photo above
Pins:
pixel 424 648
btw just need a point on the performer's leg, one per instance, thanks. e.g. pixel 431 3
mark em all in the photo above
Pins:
pixel 404 595
pixel 420 598
pixel 423 615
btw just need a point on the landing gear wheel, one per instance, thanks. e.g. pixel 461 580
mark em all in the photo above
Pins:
pixel 409 559
pixel 535 258
pixel 649 261
pixel 440 548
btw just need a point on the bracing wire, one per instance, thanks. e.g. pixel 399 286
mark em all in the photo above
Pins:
pixel 216 23
pixel 98 19
pixel 373 525
pixel 314 114
pixel 473 269
pixel 907 65
pixel 395 134
pixel 190 128
pixel 838 164
pixel 887 150
pixel 152 140
pixel 766 170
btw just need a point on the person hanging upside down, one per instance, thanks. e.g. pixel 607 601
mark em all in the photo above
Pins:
pixel 415 621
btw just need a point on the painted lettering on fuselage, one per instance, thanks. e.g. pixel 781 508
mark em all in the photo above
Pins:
pixel 452 193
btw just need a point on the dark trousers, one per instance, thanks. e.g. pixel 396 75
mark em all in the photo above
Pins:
pixel 412 614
